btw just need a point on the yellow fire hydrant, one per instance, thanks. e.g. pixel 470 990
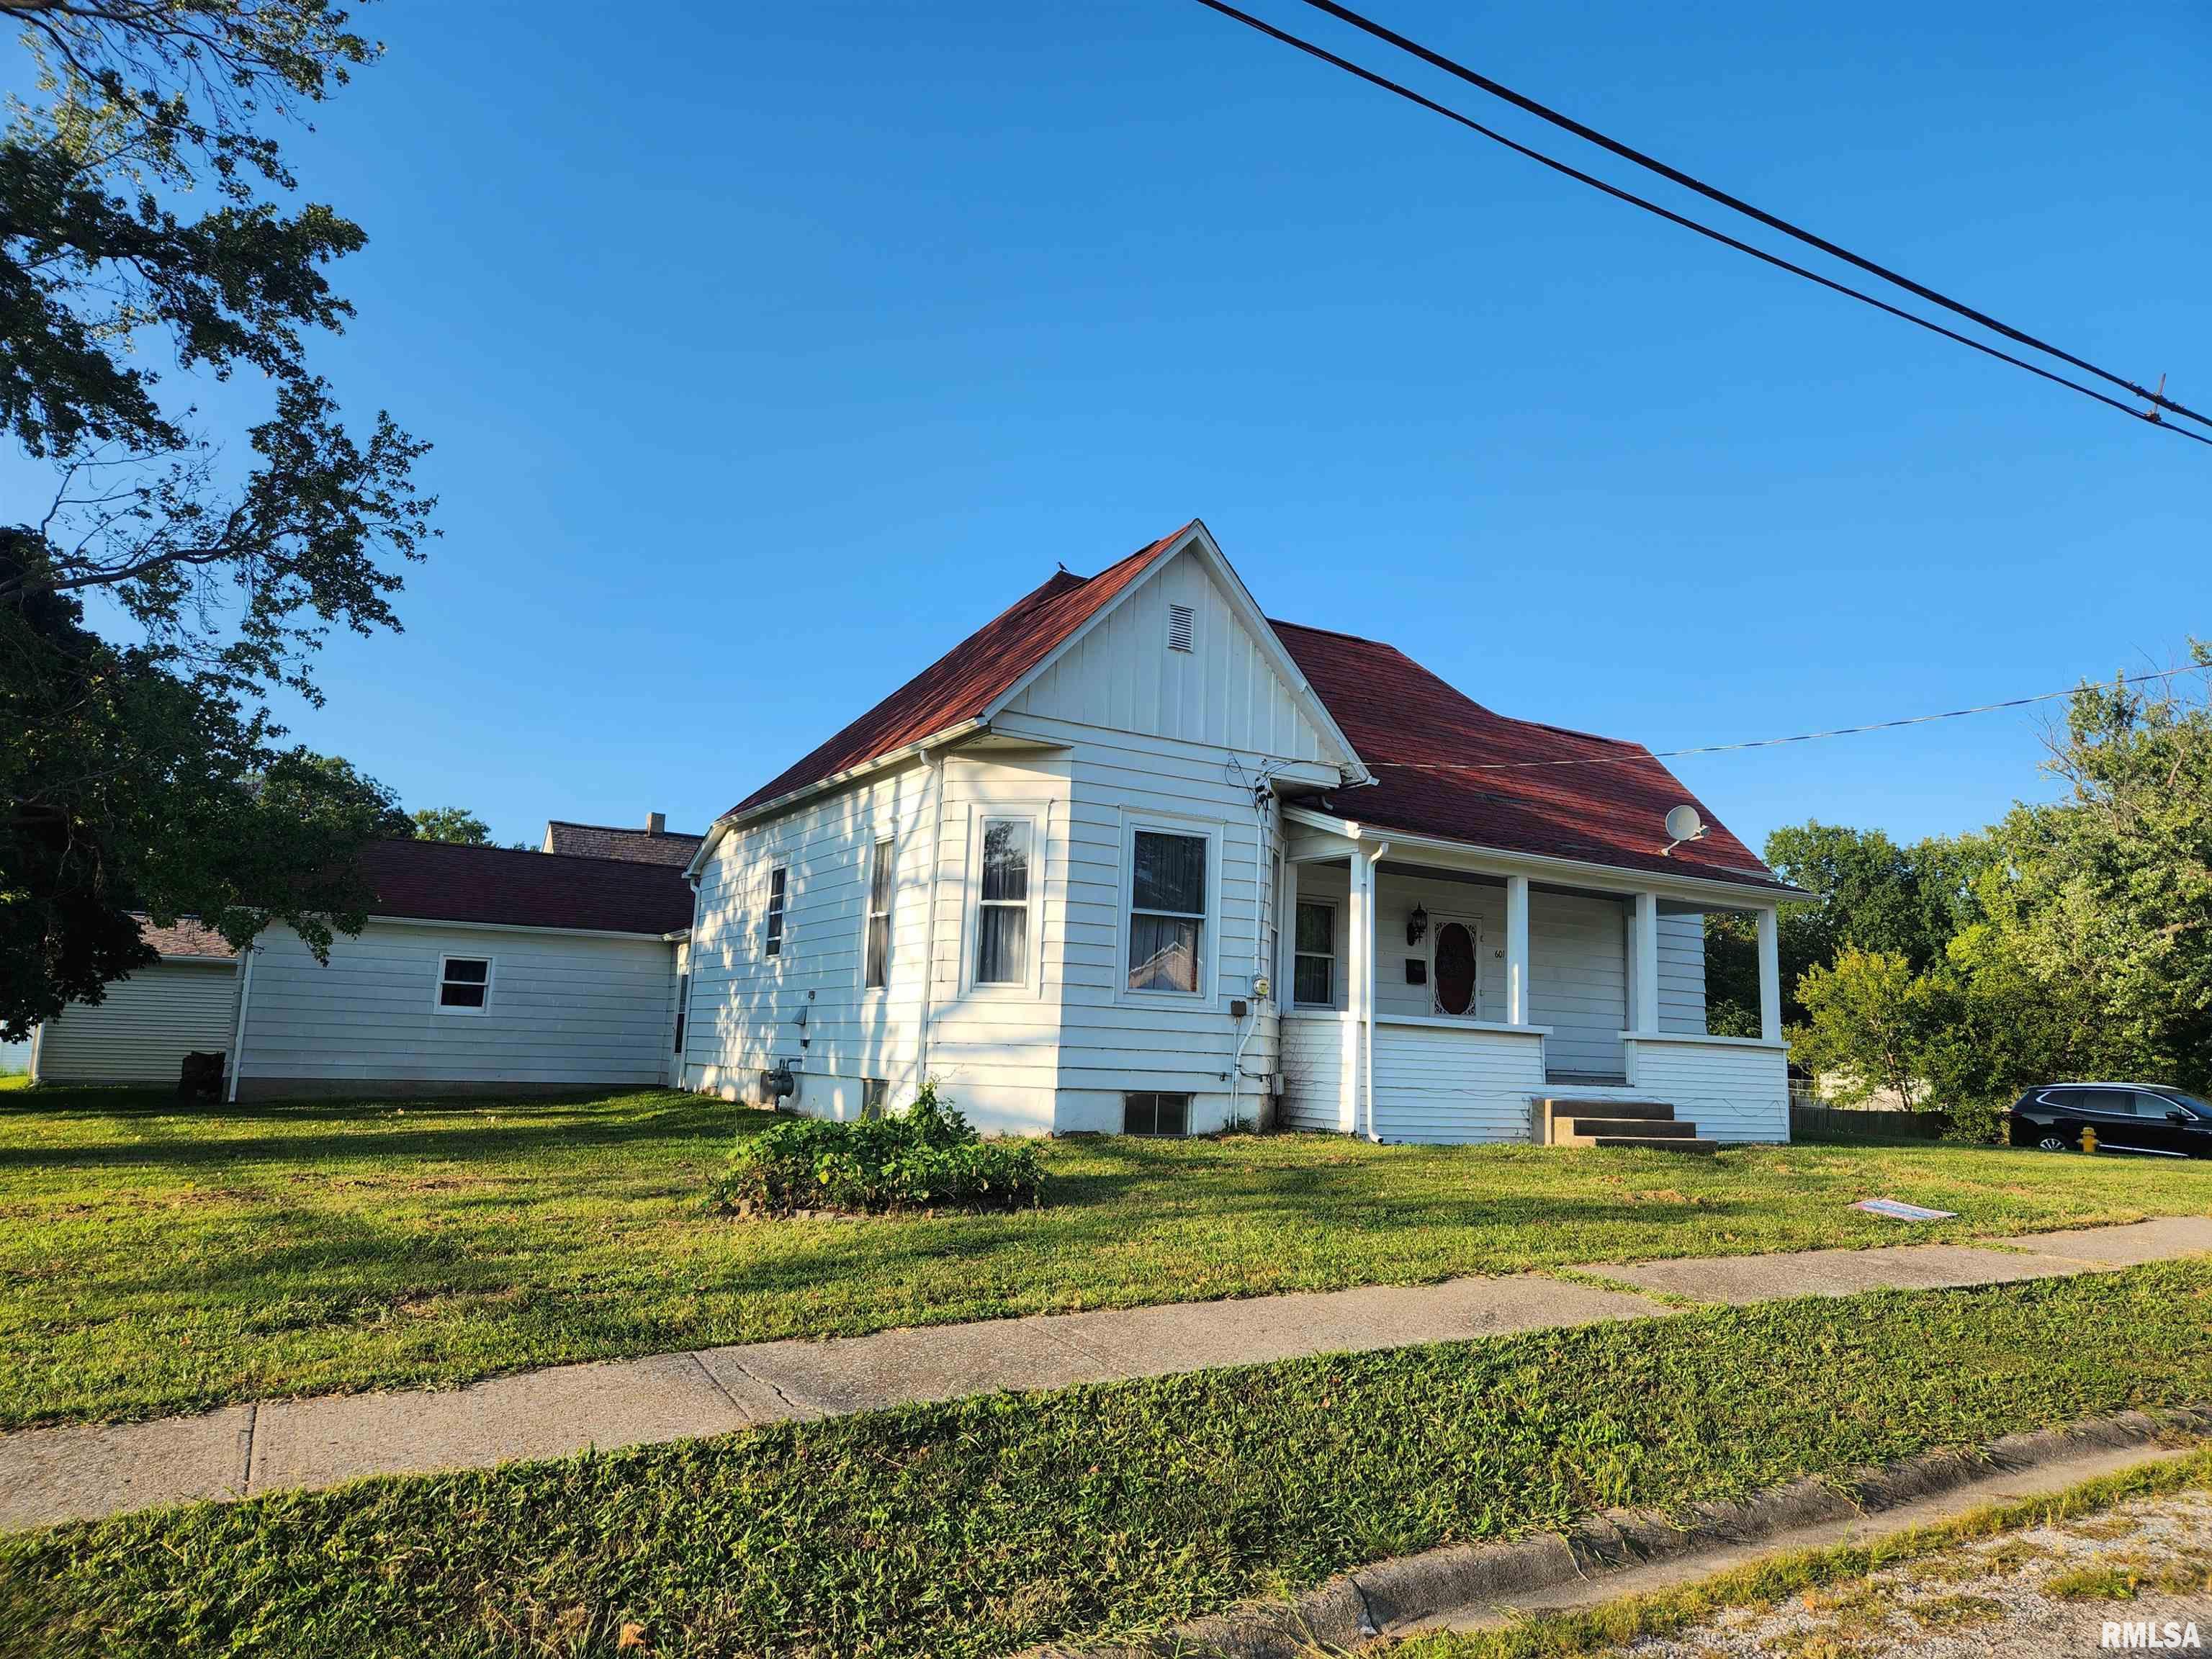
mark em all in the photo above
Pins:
pixel 2089 1137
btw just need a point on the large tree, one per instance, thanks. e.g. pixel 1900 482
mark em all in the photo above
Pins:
pixel 168 584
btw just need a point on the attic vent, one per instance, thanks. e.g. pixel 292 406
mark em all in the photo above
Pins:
pixel 1179 626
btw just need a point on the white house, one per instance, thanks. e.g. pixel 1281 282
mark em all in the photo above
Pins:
pixel 1132 856
pixel 481 969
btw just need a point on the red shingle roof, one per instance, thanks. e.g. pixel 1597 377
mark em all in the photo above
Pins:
pixel 673 848
pixel 186 937
pixel 1612 813
pixel 439 881
pixel 965 681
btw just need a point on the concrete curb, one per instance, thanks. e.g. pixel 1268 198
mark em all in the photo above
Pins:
pixel 1359 1606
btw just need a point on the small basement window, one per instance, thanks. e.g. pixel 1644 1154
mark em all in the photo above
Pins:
pixel 1155 1114
pixel 464 985
pixel 875 1095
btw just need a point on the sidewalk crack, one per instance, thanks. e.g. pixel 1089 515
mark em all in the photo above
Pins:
pixel 716 1383
pixel 246 1448
pixel 799 1406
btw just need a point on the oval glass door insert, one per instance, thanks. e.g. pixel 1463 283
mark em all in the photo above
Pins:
pixel 1454 969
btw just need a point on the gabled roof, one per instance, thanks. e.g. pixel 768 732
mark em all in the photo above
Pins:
pixel 440 881
pixel 964 682
pixel 1606 806
pixel 673 848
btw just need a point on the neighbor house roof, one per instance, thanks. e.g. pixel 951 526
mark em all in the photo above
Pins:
pixel 439 881
pixel 1513 785
pixel 966 681
pixel 673 848
pixel 184 938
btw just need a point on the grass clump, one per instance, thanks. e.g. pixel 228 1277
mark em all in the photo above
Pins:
pixel 985 1526
pixel 926 1157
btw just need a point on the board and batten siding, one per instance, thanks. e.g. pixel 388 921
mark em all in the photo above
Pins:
pixel 143 1029
pixel 1224 693
pixel 565 1011
pixel 746 1005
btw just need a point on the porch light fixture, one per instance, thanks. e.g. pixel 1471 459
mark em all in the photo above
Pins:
pixel 1417 926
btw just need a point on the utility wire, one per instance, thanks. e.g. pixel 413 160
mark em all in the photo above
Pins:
pixel 1628 152
pixel 1776 742
pixel 1334 61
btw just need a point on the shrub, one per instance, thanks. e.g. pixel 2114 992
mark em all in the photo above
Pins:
pixel 926 1158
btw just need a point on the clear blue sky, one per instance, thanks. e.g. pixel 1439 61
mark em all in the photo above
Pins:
pixel 767 351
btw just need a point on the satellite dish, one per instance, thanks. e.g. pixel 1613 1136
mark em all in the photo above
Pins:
pixel 1683 824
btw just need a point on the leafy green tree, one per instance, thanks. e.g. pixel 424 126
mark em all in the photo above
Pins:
pixel 144 224
pixel 1871 1022
pixel 456 824
pixel 133 786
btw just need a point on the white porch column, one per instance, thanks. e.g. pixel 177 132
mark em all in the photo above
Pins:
pixel 1516 951
pixel 1645 978
pixel 1359 911
pixel 1770 975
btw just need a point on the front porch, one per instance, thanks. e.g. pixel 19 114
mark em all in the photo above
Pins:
pixel 1434 994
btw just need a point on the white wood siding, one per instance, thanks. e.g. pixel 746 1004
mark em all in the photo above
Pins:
pixel 1682 974
pixel 1444 1084
pixel 1113 1040
pixel 996 1048
pixel 146 1026
pixel 1314 1052
pixel 565 1008
pixel 745 1005
pixel 1121 678
pixel 1732 1090
pixel 1579 979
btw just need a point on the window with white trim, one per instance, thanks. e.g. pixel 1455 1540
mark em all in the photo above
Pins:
pixel 1002 905
pixel 875 1097
pixel 683 1007
pixel 774 946
pixel 464 985
pixel 1167 910
pixel 1313 968
pixel 876 949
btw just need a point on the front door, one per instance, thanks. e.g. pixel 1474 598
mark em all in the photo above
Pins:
pixel 1453 973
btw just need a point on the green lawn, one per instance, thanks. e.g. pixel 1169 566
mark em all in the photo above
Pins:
pixel 155 1257
pixel 978 1528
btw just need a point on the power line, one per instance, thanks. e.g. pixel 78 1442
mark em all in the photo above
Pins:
pixel 1334 61
pixel 1627 152
pixel 1776 742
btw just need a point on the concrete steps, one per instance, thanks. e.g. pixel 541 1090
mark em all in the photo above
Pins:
pixel 1572 1122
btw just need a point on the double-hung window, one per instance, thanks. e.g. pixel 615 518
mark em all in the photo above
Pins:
pixel 1002 908
pixel 876 948
pixel 1313 975
pixel 775 887
pixel 1167 911
pixel 464 985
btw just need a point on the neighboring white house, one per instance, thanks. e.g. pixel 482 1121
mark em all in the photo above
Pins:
pixel 146 1025
pixel 1132 856
pixel 481 969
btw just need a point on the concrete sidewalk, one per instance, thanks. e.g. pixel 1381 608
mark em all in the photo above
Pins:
pixel 48 1475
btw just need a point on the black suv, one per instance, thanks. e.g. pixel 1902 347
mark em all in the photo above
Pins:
pixel 2128 1117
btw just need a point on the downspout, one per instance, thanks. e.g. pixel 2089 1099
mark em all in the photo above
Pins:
pixel 1262 967
pixel 1374 937
pixel 929 921
pixel 238 1037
